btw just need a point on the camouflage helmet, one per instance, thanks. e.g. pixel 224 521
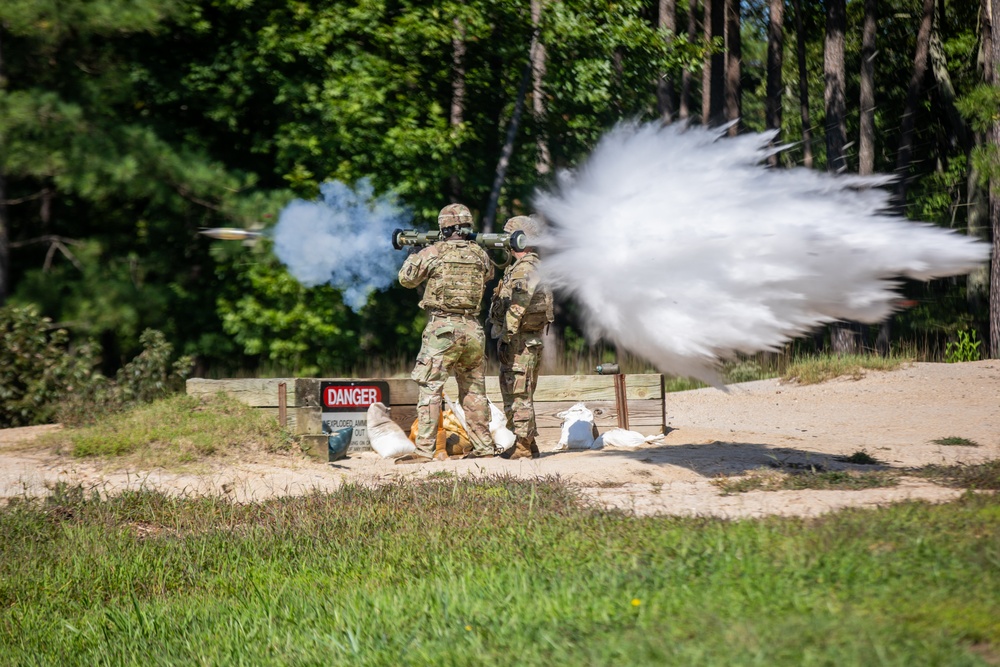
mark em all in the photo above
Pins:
pixel 454 215
pixel 527 224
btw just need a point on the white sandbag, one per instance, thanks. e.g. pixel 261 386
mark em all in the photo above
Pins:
pixel 387 438
pixel 577 428
pixel 620 438
pixel 503 437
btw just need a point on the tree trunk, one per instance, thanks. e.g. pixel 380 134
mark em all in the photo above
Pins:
pixel 734 53
pixel 959 137
pixel 4 240
pixel 977 286
pixel 905 153
pixel 775 62
pixel 457 97
pixel 995 195
pixel 835 76
pixel 508 144
pixel 543 161
pixel 714 89
pixel 866 138
pixel 843 336
pixel 665 89
pixel 686 77
pixel 800 52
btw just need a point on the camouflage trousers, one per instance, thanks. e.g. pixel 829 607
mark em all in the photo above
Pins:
pixel 452 344
pixel 519 360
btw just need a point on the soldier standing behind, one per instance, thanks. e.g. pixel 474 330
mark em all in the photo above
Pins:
pixel 456 271
pixel 520 310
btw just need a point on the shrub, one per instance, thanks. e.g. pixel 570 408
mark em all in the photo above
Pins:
pixel 38 367
pixel 43 377
pixel 148 377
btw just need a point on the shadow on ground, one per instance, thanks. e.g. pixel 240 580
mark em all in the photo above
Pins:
pixel 736 458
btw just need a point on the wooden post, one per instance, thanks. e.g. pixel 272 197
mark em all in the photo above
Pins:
pixel 621 398
pixel 282 404
pixel 663 404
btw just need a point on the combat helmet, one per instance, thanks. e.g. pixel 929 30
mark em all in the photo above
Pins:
pixel 454 215
pixel 527 224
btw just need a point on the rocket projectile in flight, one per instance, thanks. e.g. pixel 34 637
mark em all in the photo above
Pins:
pixel 230 233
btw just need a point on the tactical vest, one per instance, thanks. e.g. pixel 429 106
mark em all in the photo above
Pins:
pixel 540 310
pixel 457 283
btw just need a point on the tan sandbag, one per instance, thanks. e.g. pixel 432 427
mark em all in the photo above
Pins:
pixel 451 437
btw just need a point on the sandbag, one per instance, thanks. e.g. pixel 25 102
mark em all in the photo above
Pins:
pixel 620 438
pixel 503 437
pixel 387 438
pixel 578 430
pixel 337 443
pixel 451 436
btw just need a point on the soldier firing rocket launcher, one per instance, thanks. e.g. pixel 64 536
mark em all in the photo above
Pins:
pixel 411 237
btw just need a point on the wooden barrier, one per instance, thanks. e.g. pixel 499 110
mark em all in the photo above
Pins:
pixel 555 393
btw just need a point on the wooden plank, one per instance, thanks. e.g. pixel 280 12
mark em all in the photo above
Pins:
pixel 258 392
pixel 574 388
pixel 304 392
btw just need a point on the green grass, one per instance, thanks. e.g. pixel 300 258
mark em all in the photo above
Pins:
pixel 812 370
pixel 176 430
pixel 955 441
pixel 793 480
pixel 491 571
pixel 979 476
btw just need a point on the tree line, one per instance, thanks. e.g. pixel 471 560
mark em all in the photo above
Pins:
pixel 127 125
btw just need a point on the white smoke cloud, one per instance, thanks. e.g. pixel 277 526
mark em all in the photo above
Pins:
pixel 343 239
pixel 683 248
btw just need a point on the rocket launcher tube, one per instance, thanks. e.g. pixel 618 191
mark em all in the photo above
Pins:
pixel 503 241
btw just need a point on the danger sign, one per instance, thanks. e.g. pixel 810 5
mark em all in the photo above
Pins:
pixel 344 404
pixel 353 397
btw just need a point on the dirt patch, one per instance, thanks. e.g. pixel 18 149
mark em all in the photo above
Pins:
pixel 893 416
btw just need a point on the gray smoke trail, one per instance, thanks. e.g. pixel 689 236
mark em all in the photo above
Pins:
pixel 343 240
pixel 683 248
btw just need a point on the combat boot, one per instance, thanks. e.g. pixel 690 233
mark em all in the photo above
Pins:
pixel 525 449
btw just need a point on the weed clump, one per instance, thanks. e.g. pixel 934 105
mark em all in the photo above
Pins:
pixel 978 476
pixel 825 367
pixel 796 480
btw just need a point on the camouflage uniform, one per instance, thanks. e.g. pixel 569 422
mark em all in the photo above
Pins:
pixel 520 311
pixel 456 272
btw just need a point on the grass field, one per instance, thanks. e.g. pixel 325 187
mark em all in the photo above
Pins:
pixel 490 572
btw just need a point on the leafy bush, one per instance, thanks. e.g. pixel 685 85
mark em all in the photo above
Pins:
pixel 43 377
pixel 966 348
pixel 148 377
pixel 38 368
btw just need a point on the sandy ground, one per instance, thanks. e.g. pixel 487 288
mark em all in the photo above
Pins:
pixel 894 417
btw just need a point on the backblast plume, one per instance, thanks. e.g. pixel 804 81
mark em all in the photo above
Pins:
pixel 683 248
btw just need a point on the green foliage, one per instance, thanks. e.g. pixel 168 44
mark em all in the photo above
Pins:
pixel 422 574
pixel 38 369
pixel 966 348
pixel 125 125
pixel 43 377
